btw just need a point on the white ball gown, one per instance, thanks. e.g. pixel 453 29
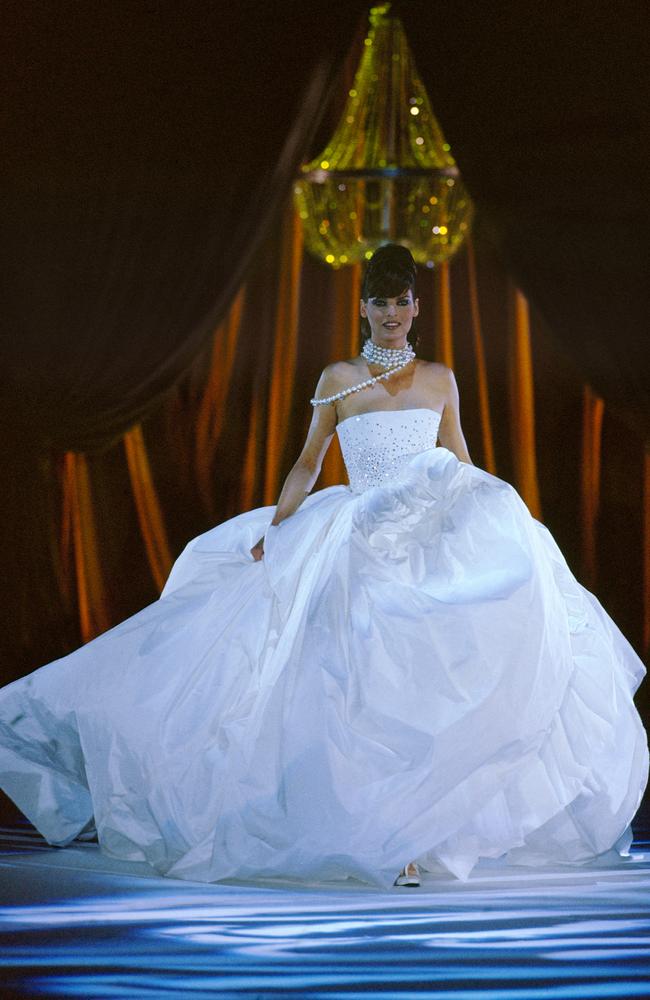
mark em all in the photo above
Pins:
pixel 411 673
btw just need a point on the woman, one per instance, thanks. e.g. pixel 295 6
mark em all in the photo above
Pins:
pixel 405 669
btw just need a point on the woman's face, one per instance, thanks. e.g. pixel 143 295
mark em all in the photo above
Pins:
pixel 390 319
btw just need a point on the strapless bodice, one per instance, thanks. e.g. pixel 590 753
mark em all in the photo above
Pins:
pixel 376 444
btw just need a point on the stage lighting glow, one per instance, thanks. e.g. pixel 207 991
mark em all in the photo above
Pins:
pixel 386 159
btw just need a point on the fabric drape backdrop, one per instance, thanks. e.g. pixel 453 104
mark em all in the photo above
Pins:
pixel 543 105
pixel 542 425
pixel 149 156
pixel 146 149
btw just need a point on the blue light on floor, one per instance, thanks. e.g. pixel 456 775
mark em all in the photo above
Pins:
pixel 76 925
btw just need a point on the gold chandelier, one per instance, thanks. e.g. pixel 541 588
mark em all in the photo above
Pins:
pixel 387 173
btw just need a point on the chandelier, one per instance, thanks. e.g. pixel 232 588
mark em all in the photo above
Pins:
pixel 387 173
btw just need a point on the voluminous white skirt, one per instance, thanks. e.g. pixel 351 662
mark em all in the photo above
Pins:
pixel 411 673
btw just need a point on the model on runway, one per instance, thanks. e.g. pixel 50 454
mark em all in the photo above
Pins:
pixel 399 673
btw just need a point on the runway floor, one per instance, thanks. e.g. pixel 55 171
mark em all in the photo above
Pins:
pixel 78 924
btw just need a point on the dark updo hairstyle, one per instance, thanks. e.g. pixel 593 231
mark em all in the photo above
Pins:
pixel 390 271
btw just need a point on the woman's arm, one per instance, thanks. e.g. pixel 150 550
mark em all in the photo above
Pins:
pixel 450 433
pixel 306 469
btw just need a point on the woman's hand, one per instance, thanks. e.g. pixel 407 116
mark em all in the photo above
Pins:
pixel 306 469
pixel 257 551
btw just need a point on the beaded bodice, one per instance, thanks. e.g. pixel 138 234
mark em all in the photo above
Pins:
pixel 375 445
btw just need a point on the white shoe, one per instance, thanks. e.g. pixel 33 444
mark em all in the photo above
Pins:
pixel 409 876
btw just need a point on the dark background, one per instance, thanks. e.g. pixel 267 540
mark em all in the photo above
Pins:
pixel 148 150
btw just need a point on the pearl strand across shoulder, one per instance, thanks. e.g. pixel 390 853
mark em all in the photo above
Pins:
pixel 391 359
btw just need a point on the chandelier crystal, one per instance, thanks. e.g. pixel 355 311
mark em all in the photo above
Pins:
pixel 387 173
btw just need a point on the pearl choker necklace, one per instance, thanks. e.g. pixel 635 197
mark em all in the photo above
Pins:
pixel 393 359
pixel 387 357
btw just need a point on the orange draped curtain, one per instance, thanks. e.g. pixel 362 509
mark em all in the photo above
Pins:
pixel 79 545
pixel 646 548
pixel 150 517
pixel 211 410
pixel 444 331
pixel 489 460
pixel 345 343
pixel 592 425
pixel 285 353
pixel 522 404
pixel 253 451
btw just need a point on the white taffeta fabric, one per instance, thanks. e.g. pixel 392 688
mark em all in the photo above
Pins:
pixel 412 672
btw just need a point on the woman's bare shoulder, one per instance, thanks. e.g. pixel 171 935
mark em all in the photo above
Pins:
pixel 337 374
pixel 432 367
pixel 435 371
